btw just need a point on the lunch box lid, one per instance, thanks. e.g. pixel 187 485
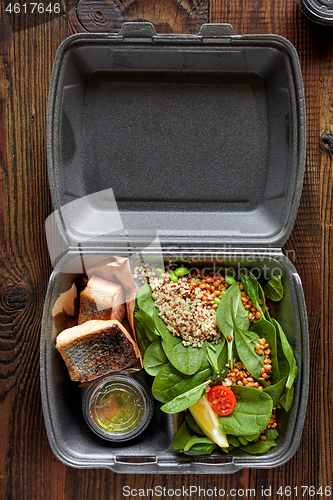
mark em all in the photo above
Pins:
pixel 201 138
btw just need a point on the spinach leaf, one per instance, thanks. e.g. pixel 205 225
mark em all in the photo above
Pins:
pixel 146 306
pixel 251 286
pixel 223 313
pixel 185 400
pixel 160 325
pixel 231 301
pixel 142 339
pixel 271 434
pixel 276 390
pixel 258 447
pixel 233 441
pixel 170 383
pixel 149 333
pixel 274 289
pixel 285 350
pixel 182 436
pixel 186 359
pixel 287 398
pixel 201 449
pixel 217 355
pixel 245 342
pixel 154 358
pixel 251 415
pixel 266 329
pixel 198 440
pixel 190 444
pixel 252 437
pixel 192 424
pixel 242 440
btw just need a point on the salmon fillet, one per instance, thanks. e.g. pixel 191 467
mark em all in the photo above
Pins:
pixel 96 348
pixel 103 300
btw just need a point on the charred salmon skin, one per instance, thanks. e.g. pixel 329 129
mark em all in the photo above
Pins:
pixel 103 300
pixel 96 348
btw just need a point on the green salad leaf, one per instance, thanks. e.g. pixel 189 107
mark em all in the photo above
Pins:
pixel 154 358
pixel 146 306
pixel 245 344
pixel 185 400
pixel 182 436
pixel 160 325
pixel 191 444
pixel 149 333
pixel 287 398
pixel 141 336
pixel 186 359
pixel 275 391
pixel 266 329
pixel 217 355
pixel 192 424
pixel 231 305
pixel 285 353
pixel 274 288
pixel 170 383
pixel 251 415
pixel 199 440
pixel 259 447
pixel 252 287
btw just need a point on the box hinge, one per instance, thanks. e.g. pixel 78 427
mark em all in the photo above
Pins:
pixel 211 30
pixel 138 30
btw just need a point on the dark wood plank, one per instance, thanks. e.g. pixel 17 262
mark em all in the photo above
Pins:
pixel 325 340
pixel 28 468
pixel 175 16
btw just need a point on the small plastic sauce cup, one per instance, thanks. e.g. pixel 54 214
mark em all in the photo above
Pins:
pixel 118 407
pixel 320 11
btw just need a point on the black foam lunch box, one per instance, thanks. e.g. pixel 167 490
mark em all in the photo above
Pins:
pixel 199 140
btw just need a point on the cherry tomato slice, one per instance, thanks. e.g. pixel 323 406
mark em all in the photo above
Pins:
pixel 222 400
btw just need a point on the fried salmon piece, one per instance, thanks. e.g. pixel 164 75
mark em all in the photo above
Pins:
pixel 103 300
pixel 96 348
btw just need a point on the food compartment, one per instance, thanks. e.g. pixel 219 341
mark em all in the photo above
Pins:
pixel 152 451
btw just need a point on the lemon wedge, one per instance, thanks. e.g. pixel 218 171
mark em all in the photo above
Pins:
pixel 208 421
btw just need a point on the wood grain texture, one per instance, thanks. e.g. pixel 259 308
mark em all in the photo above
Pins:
pixel 28 468
pixel 174 16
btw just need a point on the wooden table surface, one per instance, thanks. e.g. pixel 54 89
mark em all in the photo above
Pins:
pixel 28 468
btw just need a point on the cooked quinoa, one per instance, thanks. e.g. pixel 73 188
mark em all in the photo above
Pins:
pixel 183 310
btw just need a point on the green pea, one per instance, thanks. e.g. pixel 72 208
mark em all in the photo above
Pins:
pixel 217 300
pixel 197 280
pixel 158 272
pixel 230 280
pixel 181 271
pixel 173 277
pixel 222 293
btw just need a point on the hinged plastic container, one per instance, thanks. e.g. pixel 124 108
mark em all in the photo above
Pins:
pixel 202 139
